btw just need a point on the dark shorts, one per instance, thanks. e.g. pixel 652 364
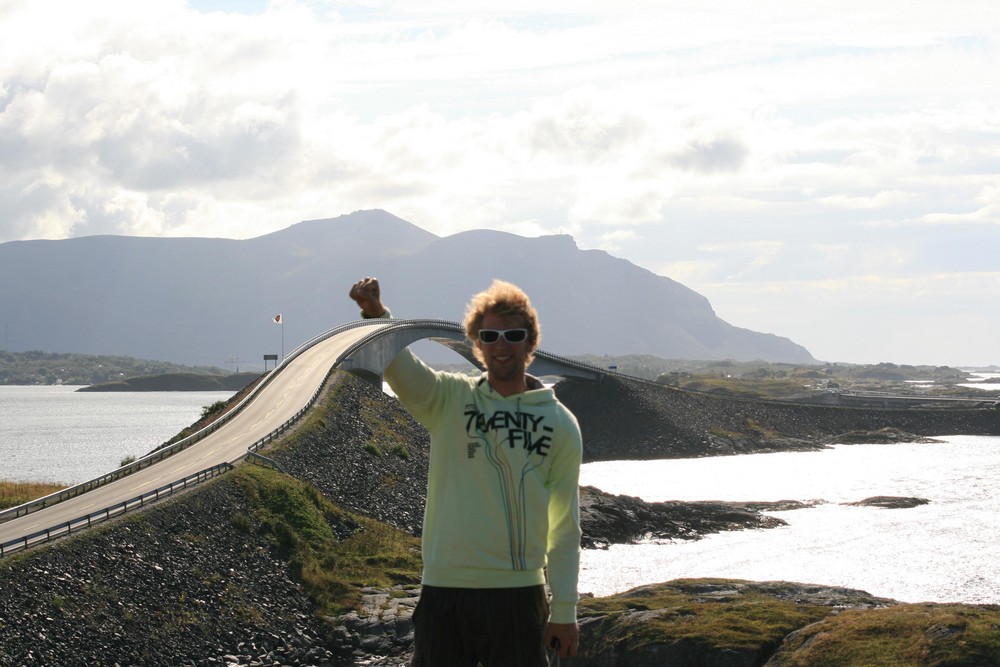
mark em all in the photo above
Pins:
pixel 495 627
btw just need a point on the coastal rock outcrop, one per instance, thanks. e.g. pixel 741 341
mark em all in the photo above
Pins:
pixel 613 519
pixel 705 622
pixel 890 502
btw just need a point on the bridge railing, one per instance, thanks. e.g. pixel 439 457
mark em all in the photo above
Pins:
pixel 252 454
pixel 393 325
pixel 65 528
pixel 139 464
pixel 923 398
pixel 458 328
pixel 87 520
pixel 159 454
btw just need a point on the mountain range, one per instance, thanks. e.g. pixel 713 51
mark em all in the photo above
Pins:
pixel 211 301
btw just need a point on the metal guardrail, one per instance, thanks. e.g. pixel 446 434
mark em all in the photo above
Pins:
pixel 923 398
pixel 251 455
pixel 393 325
pixel 164 452
pixel 150 459
pixel 65 528
pixel 88 520
pixel 124 471
pixel 458 328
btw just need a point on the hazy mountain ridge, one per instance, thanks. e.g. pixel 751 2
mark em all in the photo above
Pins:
pixel 208 301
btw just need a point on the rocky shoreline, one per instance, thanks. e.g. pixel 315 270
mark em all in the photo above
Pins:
pixel 197 580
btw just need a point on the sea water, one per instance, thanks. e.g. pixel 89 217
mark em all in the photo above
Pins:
pixel 984 381
pixel 946 550
pixel 57 434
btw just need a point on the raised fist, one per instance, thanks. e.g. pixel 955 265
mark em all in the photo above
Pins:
pixel 367 294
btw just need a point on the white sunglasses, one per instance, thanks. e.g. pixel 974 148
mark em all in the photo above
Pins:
pixel 490 336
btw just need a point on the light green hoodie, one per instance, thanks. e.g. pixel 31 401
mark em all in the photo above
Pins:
pixel 503 486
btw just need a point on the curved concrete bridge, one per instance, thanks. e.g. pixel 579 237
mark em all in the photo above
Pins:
pixel 370 355
pixel 364 347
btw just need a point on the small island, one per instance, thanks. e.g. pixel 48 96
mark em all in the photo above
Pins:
pixel 178 382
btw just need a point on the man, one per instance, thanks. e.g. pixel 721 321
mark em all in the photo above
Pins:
pixel 502 494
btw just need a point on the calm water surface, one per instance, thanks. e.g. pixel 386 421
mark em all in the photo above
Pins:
pixel 54 433
pixel 985 381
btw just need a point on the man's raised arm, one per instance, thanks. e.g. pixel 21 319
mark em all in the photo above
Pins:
pixel 368 295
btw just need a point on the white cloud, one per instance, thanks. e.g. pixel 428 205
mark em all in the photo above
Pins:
pixel 987 212
pixel 877 201
pixel 734 145
pixel 612 241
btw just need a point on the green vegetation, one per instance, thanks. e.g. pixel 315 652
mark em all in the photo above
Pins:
pixel 383 431
pixel 214 408
pixel 332 552
pixel 721 617
pixel 13 494
pixel 929 635
pixel 750 621
pixel 29 368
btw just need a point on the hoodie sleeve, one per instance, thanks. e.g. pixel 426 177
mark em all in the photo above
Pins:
pixel 414 383
pixel 417 386
pixel 564 524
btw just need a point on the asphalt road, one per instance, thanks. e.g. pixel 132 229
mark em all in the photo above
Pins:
pixel 277 402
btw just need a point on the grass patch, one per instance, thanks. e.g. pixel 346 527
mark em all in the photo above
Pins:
pixel 929 635
pixel 214 408
pixel 745 621
pixel 386 428
pixel 718 616
pixel 763 431
pixel 333 553
pixel 18 493
pixel 725 433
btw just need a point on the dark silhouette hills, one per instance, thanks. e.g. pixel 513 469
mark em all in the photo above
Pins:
pixel 211 301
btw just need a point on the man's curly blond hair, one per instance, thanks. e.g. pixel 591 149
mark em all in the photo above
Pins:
pixel 507 300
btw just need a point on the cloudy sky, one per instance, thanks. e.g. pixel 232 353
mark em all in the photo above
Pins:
pixel 825 170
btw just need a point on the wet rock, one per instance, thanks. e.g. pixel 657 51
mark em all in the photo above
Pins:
pixel 614 519
pixel 889 502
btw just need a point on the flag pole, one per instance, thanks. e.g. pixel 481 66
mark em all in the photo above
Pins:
pixel 280 320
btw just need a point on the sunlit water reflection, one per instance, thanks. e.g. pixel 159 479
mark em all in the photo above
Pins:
pixel 943 551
